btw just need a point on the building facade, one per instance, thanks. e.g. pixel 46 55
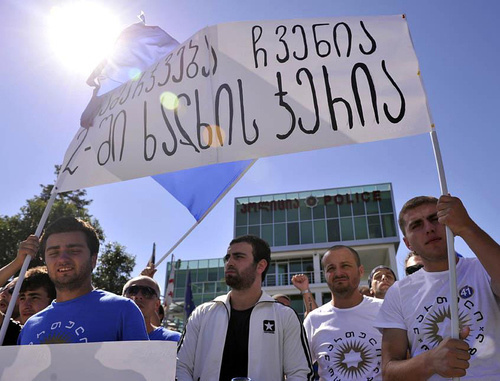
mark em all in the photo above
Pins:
pixel 300 227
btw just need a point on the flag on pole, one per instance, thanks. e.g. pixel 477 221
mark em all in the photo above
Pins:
pixel 198 188
pixel 188 299
pixel 169 295
pixel 138 47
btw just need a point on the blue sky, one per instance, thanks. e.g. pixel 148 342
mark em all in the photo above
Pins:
pixel 457 46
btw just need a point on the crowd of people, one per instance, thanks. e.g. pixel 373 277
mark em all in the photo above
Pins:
pixel 392 330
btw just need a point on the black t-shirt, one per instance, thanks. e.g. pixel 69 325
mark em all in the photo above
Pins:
pixel 235 356
pixel 13 330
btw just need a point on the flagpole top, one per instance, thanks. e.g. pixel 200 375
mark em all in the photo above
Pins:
pixel 142 17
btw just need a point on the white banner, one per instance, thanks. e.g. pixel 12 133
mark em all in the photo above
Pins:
pixel 123 360
pixel 271 87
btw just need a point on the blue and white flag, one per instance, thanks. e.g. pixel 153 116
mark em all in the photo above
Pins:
pixel 137 48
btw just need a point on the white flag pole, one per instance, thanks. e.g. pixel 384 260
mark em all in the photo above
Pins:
pixel 206 213
pixel 452 260
pixel 26 263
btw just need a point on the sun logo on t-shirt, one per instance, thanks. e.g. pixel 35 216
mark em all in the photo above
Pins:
pixel 352 359
pixel 438 324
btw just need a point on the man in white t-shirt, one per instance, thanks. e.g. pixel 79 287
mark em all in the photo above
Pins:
pixel 415 316
pixel 341 333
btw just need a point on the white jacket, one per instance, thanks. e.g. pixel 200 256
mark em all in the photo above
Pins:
pixel 271 355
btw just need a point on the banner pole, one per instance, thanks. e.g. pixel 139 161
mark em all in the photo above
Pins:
pixel 452 261
pixel 223 194
pixel 26 263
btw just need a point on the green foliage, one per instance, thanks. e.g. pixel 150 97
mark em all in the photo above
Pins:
pixel 113 268
pixel 16 228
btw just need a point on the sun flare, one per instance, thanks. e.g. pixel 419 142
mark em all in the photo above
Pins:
pixel 82 34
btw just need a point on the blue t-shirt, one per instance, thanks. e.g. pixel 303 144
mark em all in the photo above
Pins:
pixel 161 333
pixel 93 317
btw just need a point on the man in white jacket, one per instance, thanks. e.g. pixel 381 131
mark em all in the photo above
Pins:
pixel 245 333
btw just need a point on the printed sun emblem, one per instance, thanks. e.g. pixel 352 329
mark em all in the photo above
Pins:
pixel 438 324
pixel 352 359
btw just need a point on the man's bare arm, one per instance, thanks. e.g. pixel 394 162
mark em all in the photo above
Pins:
pixel 448 359
pixel 452 213
pixel 27 247
pixel 301 282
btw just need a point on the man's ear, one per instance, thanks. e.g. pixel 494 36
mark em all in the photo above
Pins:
pixel 361 270
pixel 407 243
pixel 94 260
pixel 261 266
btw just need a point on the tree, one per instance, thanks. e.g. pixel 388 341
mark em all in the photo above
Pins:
pixel 114 268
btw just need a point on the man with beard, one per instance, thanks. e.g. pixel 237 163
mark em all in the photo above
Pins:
pixel 79 313
pixel 245 333
pixel 340 333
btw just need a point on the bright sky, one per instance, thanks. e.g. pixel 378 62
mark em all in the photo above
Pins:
pixel 456 42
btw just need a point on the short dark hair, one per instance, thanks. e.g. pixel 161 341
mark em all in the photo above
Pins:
pixel 372 273
pixel 71 224
pixel 415 202
pixel 260 249
pixel 37 277
pixel 338 247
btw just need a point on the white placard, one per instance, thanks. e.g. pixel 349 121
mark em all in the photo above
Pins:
pixel 124 361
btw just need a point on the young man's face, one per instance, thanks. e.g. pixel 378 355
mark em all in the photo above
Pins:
pixel 342 273
pixel 69 261
pixel 31 302
pixel 239 269
pixel 381 281
pixel 143 293
pixel 424 234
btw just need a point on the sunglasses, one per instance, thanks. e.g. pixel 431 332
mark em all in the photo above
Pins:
pixel 413 269
pixel 146 291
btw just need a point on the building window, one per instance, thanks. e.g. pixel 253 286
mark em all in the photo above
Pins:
pixel 319 231
pixel 306 232
pixel 293 233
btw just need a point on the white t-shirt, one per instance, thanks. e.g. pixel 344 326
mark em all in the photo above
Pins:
pixel 344 341
pixel 419 304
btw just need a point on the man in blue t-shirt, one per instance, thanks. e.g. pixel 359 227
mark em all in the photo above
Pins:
pixel 145 292
pixel 79 313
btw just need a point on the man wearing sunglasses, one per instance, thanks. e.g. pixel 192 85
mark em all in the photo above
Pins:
pixel 145 292
pixel 413 263
pixel 79 313
pixel 245 333
pixel 415 315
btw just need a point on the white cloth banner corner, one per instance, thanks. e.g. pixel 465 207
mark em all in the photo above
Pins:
pixel 120 360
